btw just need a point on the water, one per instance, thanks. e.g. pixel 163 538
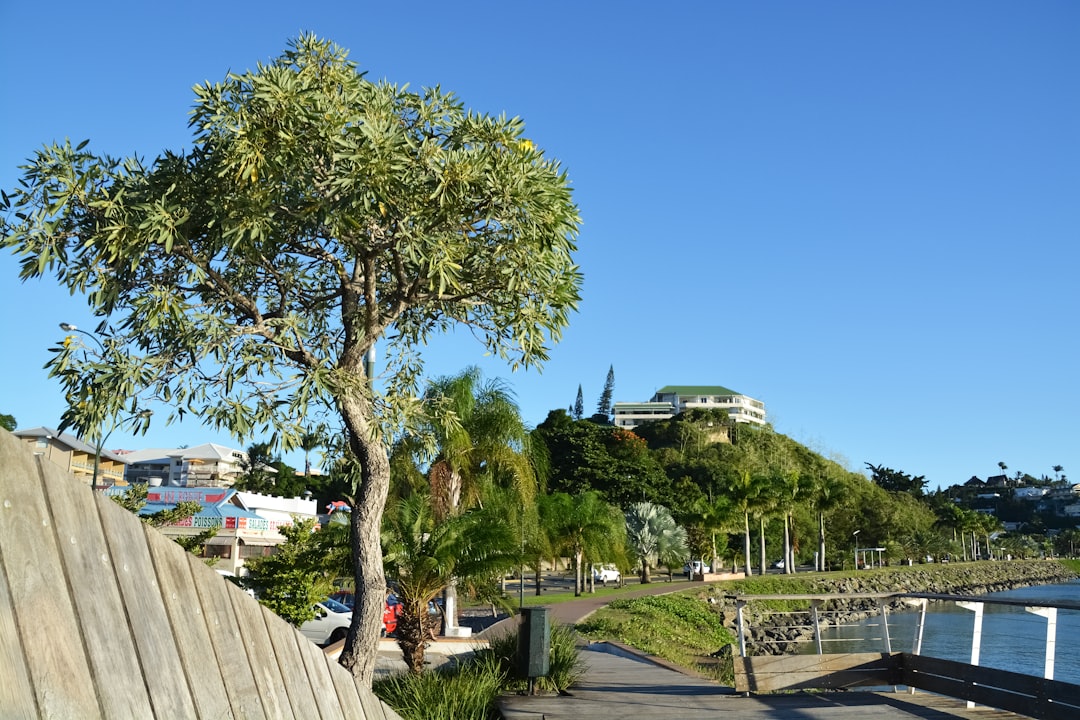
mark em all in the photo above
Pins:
pixel 1012 638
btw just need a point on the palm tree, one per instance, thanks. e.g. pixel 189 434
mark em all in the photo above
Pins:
pixel 422 555
pixel 308 442
pixel 653 535
pixel 828 495
pixel 480 440
pixel 744 495
pixel 716 515
pixel 1003 467
pixel 584 526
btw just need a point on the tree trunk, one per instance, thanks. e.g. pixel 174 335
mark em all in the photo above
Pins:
pixel 372 481
pixel 746 544
pixel 645 571
pixel 578 585
pixel 821 542
pixel 761 552
pixel 787 544
pixel 538 575
pixel 414 630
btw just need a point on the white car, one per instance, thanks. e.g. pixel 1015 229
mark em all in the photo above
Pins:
pixel 696 567
pixel 604 573
pixel 331 623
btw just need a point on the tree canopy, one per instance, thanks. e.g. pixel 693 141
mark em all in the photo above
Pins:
pixel 247 280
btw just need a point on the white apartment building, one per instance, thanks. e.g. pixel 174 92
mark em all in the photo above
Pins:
pixel 671 400
pixel 206 465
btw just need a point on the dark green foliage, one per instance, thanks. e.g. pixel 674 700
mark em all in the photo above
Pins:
pixel 896 481
pixel 8 422
pixel 302 570
pixel 612 461
pixel 579 404
pixel 604 407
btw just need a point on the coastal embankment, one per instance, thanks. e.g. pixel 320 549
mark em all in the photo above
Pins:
pixel 778 627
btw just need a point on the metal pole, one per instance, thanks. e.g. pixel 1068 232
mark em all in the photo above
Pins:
pixel 1050 613
pixel 976 633
pixel 739 605
pixel 814 604
pixel 916 648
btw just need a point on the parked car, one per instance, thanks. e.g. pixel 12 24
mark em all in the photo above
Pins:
pixel 696 567
pixel 331 623
pixel 779 564
pixel 604 573
pixel 391 611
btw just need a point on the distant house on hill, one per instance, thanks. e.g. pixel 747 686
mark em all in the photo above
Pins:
pixel 74 455
pixel 998 481
pixel 671 400
pixel 975 482
pixel 206 465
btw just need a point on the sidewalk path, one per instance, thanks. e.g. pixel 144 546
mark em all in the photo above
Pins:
pixel 619 683
pixel 572 612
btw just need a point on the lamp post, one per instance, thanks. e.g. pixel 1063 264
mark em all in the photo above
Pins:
pixel 855 543
pixel 68 327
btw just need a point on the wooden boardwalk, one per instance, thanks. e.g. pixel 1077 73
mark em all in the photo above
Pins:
pixel 618 685
pixel 103 617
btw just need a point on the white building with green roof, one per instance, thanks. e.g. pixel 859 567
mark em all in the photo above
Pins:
pixel 671 400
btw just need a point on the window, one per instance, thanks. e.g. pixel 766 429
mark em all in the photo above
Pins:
pixel 42 443
pixel 217 551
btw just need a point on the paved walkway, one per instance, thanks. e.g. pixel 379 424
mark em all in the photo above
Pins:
pixel 621 686
pixel 619 683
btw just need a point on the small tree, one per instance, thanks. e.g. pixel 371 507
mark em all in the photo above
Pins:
pixel 302 570
pixel 651 532
pixel 422 556
pixel 8 422
pixel 579 404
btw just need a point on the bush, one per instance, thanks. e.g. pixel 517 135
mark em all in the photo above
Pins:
pixel 467 691
pixel 565 664
pixel 470 689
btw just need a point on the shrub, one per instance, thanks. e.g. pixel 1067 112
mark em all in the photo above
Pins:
pixel 467 691
pixel 565 664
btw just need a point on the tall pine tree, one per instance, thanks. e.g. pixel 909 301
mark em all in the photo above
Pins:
pixel 579 404
pixel 604 406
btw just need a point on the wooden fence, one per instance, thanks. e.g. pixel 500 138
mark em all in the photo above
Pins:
pixel 103 617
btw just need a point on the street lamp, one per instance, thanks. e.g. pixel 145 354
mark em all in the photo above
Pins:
pixel 97 450
pixel 855 542
pixel 143 414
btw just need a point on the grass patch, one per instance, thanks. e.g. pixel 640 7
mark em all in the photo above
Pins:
pixel 678 628
pixel 1072 565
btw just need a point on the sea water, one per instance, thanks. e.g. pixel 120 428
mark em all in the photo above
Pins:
pixel 1012 638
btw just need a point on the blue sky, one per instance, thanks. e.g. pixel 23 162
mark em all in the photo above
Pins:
pixel 863 214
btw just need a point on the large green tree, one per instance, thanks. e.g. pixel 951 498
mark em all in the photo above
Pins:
pixel 317 214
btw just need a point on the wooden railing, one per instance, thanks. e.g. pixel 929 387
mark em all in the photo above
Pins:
pixel 103 617
pixel 1037 697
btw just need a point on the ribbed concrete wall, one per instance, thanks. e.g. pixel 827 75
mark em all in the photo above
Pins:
pixel 103 617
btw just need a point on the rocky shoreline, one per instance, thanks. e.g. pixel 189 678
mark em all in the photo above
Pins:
pixel 777 630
